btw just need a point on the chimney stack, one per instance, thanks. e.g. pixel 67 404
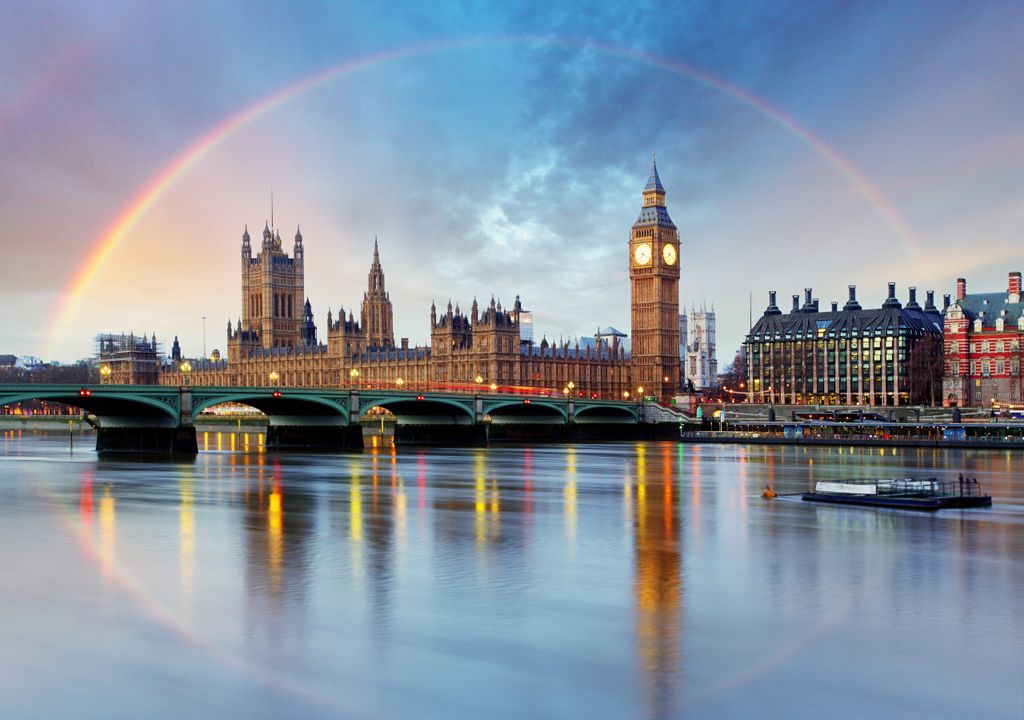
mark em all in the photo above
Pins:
pixel 891 301
pixel 772 308
pixel 796 303
pixel 945 301
pixel 929 303
pixel 912 302
pixel 961 288
pixel 835 306
pixel 1014 287
pixel 852 303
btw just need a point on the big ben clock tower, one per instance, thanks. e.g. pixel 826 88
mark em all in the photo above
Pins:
pixel 654 293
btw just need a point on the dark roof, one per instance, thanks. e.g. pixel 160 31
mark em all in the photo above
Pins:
pixel 654 215
pixel 8 360
pixel 992 305
pixel 805 325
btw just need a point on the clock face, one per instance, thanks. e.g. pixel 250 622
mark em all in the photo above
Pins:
pixel 669 253
pixel 642 254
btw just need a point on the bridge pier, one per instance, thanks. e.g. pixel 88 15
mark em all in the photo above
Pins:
pixel 474 435
pixel 179 441
pixel 329 438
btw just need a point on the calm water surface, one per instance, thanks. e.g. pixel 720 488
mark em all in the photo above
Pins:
pixel 619 581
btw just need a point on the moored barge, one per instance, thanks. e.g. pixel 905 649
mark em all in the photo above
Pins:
pixel 907 494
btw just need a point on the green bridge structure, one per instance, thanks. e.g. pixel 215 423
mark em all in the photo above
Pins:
pixel 161 419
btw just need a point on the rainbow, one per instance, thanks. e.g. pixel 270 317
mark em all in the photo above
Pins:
pixel 116 231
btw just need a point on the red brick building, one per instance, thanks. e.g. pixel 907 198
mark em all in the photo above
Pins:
pixel 984 342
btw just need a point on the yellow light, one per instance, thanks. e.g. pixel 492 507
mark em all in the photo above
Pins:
pixel 494 387
pixel 105 371
pixel 274 377
pixel 400 382
pixel 571 384
pixel 186 367
pixel 640 390
pixel 625 394
pixel 479 379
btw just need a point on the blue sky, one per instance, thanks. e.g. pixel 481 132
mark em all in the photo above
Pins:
pixel 506 166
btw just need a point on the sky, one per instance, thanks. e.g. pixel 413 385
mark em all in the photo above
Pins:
pixel 497 149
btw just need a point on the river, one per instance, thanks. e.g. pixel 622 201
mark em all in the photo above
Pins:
pixel 630 580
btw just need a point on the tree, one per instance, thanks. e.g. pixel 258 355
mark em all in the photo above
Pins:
pixel 734 378
pixel 925 369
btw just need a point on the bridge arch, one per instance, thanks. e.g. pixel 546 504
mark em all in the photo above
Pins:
pixel 524 410
pixel 431 410
pixel 607 413
pixel 287 404
pixel 160 409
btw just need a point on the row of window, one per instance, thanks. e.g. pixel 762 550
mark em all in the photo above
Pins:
pixel 984 346
pixel 984 367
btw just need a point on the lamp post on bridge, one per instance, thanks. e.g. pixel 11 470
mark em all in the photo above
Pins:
pixel 105 372
pixel 186 368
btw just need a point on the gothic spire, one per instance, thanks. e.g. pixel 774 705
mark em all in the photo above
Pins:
pixel 654 182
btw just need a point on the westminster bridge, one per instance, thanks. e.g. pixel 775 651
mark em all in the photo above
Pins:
pixel 161 419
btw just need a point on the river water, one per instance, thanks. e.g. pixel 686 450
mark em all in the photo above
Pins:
pixel 632 580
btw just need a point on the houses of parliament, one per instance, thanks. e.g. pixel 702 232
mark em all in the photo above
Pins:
pixel 275 340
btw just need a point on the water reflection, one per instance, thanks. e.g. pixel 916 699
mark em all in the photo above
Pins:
pixel 279 526
pixel 187 534
pixel 484 583
pixel 657 584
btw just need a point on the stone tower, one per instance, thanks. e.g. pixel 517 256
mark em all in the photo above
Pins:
pixel 654 294
pixel 272 291
pixel 377 316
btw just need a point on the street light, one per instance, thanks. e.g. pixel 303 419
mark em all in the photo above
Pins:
pixel 353 375
pixel 399 382
pixel 105 373
pixel 494 387
pixel 186 368
pixel 571 386
pixel 479 379
pixel 625 394
pixel 274 377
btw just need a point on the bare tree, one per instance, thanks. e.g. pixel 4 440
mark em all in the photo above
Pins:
pixel 925 369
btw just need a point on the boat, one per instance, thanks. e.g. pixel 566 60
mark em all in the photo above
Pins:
pixel 908 493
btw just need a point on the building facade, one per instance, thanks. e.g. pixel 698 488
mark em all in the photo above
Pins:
pixel 128 359
pixel 984 346
pixel 272 290
pixel 697 351
pixel 654 294
pixel 275 341
pixel 888 356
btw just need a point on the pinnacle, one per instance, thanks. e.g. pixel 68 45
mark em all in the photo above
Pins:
pixel 654 182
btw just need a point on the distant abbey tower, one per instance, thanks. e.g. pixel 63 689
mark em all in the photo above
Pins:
pixel 654 294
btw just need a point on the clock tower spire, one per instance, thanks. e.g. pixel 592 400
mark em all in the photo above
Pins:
pixel 654 294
